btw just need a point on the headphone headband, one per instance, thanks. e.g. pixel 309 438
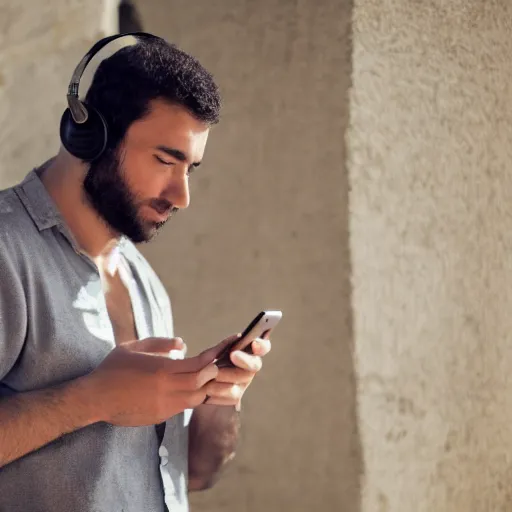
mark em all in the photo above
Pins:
pixel 76 107
pixel 83 128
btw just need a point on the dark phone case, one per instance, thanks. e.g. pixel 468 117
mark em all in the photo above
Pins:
pixel 223 361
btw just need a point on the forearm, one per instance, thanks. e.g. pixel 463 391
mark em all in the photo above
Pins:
pixel 213 437
pixel 31 420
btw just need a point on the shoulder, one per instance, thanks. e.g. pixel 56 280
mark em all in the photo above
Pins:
pixel 14 253
pixel 13 213
pixel 16 226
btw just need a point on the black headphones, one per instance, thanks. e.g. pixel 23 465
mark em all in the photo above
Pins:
pixel 83 129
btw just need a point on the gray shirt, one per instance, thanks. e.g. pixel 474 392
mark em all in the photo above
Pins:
pixel 54 326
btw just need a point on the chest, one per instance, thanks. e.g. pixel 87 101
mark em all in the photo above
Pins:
pixel 120 309
pixel 73 324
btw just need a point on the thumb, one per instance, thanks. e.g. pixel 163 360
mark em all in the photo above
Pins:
pixel 225 344
pixel 208 356
pixel 221 348
pixel 156 345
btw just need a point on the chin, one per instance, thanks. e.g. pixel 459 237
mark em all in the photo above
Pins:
pixel 145 232
pixel 150 233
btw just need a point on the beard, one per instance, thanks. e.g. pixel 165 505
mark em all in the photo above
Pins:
pixel 107 191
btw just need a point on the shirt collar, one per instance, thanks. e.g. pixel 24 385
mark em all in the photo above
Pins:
pixel 37 201
pixel 45 214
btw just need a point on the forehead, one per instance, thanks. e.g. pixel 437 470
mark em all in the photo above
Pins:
pixel 172 126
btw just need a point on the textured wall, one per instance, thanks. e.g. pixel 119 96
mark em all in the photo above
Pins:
pixel 267 227
pixel 40 46
pixel 431 190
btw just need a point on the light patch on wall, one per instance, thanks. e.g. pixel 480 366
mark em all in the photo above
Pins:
pixel 106 52
pixel 109 18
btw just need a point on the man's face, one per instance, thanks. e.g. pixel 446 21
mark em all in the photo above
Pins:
pixel 137 188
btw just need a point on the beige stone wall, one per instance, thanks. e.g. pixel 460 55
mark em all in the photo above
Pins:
pixel 41 43
pixel 267 227
pixel 431 203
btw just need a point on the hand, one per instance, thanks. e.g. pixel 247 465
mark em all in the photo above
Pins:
pixel 138 384
pixel 230 384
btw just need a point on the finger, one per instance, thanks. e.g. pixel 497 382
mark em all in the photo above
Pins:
pixel 192 381
pixel 207 356
pixel 224 345
pixel 229 339
pixel 234 376
pixel 216 390
pixel 246 361
pixel 196 363
pixel 221 401
pixel 156 345
pixel 176 354
pixel 192 399
pixel 261 347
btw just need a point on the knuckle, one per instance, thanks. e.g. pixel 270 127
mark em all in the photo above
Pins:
pixel 226 374
pixel 256 364
pixel 206 375
pixel 211 388
pixel 234 391
pixel 196 398
pixel 196 380
pixel 176 342
pixel 193 381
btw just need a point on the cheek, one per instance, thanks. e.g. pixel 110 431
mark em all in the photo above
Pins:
pixel 145 176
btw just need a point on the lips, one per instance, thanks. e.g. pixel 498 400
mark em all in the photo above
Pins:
pixel 159 215
pixel 161 208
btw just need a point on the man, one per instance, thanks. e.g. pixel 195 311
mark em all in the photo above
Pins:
pixel 94 414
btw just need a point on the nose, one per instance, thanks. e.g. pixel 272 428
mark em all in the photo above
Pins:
pixel 178 192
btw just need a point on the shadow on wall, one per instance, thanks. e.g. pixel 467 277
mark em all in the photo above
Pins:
pixel 129 18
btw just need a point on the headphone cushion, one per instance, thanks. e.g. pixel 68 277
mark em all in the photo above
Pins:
pixel 85 141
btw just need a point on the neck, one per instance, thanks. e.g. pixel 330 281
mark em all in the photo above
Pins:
pixel 63 179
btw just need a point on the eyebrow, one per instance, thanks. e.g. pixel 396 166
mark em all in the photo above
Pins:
pixel 176 153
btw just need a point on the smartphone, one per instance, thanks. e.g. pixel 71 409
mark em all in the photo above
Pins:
pixel 260 327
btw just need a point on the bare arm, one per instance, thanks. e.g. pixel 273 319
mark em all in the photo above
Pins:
pixel 31 420
pixel 214 427
pixel 213 437
pixel 131 387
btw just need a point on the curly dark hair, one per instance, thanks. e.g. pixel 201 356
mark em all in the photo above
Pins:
pixel 126 82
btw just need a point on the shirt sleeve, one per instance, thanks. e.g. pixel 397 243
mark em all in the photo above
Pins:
pixel 13 314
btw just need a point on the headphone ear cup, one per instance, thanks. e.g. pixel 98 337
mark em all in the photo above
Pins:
pixel 85 141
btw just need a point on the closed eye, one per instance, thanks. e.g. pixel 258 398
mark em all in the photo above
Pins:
pixel 192 168
pixel 162 161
